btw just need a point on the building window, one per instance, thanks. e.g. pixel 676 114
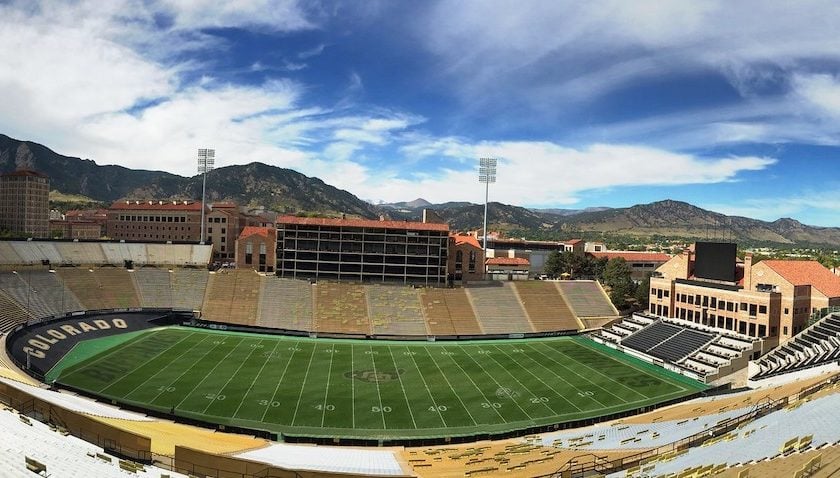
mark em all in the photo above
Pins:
pixel 249 252
pixel 762 309
pixel 459 260
pixel 784 330
pixel 472 261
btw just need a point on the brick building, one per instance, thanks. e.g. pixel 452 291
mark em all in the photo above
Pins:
pixel 154 221
pixel 25 203
pixel 256 248
pixel 772 299
pixel 466 258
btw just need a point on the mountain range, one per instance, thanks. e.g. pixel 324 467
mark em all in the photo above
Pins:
pixel 287 191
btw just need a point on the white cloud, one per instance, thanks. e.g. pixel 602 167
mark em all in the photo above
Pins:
pixel 545 173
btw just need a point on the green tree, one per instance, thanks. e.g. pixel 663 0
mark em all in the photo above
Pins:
pixel 643 292
pixel 617 278
pixel 553 265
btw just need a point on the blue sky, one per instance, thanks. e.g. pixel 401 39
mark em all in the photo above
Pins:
pixel 732 106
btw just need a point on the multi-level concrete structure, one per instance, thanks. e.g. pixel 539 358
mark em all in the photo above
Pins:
pixel 25 203
pixel 772 299
pixel 362 250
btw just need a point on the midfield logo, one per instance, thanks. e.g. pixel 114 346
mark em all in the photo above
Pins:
pixel 373 376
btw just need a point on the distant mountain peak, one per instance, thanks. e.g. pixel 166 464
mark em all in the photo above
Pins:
pixel 419 202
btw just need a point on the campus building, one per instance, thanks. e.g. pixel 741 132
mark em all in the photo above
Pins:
pixel 536 252
pixel 466 258
pixel 80 224
pixel 154 221
pixel 640 263
pixel 25 203
pixel 772 299
pixel 362 250
pixel 256 248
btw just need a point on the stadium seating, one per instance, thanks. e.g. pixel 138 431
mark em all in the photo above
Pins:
pixel 188 288
pixel 40 292
pixel 395 310
pixel 808 425
pixel 30 447
pixel 11 313
pixel 816 345
pixel 448 312
pixel 82 253
pixel 232 297
pixel 498 309
pixel 666 341
pixel 285 304
pixel 370 462
pixel 587 298
pixel 341 308
pixel 545 306
pixel 153 287
pixel 104 288
pixel 8 255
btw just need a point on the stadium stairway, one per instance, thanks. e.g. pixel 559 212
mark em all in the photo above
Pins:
pixel 545 307
pixel 497 308
pixel 285 304
pixel 817 345
pixel 232 297
pixel 153 287
pixel 189 287
pixel 449 312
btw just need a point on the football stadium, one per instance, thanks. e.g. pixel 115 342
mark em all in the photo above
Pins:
pixel 135 358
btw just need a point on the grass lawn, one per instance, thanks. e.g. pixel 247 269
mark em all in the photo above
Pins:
pixel 370 389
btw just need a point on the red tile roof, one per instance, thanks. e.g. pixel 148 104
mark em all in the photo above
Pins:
pixel 634 256
pixel 807 273
pixel 156 206
pixel 324 221
pixel 508 261
pixel 574 242
pixel 465 239
pixel 249 231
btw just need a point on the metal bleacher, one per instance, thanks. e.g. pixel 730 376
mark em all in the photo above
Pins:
pixel 667 341
pixel 587 298
pixel 498 309
pixel 817 345
pixel 285 304
pixel 395 310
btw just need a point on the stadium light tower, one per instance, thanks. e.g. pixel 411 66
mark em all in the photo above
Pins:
pixel 206 161
pixel 486 175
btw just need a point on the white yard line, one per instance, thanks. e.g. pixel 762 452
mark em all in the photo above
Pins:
pixel 426 386
pixel 378 393
pixel 303 384
pixel 445 378
pixel 572 371
pixel 533 375
pixel 397 371
pixel 256 379
pixel 210 372
pixel 185 352
pixel 327 388
pixel 234 374
pixel 492 377
pixel 602 374
pixel 294 349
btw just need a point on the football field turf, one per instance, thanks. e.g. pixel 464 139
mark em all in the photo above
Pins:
pixel 369 389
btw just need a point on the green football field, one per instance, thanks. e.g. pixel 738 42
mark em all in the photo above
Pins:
pixel 367 389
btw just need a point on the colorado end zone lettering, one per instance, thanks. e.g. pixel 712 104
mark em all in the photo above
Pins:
pixel 39 345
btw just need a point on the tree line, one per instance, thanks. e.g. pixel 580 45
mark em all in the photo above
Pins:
pixel 613 273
